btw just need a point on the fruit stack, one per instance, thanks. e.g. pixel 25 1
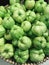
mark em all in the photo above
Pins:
pixel 24 31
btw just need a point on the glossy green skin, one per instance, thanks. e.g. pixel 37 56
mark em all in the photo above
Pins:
pixel 7 35
pixel 2 31
pixel 29 4
pixel 46 49
pixel 2 11
pixel 30 16
pixel 17 32
pixel 46 34
pixel 37 55
pixel 39 28
pixel 7 51
pixel 46 10
pixel 8 22
pixel 20 17
pixel 39 42
pixel 15 43
pixel 21 56
pixel 8 8
pixel 8 14
pixel 2 41
pixel 24 43
pixel 40 6
pixel 38 16
pixel 26 25
pixel 17 1
pixel 23 7
pixel 14 1
pixel 16 6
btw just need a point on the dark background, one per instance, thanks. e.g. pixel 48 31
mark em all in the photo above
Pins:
pixel 5 2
